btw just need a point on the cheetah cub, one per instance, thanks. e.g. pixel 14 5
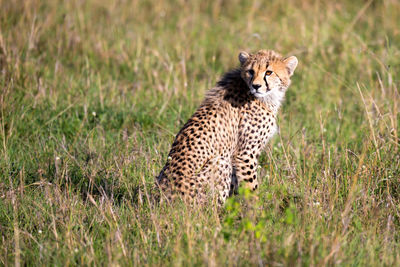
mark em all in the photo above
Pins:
pixel 217 149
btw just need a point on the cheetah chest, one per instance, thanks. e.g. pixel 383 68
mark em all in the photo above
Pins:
pixel 257 127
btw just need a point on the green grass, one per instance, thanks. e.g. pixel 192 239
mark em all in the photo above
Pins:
pixel 92 93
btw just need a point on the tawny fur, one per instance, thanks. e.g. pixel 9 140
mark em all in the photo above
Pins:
pixel 217 149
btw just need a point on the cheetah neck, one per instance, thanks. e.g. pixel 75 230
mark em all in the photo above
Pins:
pixel 273 100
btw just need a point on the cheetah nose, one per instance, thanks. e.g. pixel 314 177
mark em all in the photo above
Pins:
pixel 256 86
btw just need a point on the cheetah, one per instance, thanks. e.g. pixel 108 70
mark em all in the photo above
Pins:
pixel 217 149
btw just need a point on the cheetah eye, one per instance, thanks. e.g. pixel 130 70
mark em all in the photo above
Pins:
pixel 250 72
pixel 268 72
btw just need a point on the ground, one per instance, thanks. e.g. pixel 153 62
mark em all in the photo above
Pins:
pixel 92 93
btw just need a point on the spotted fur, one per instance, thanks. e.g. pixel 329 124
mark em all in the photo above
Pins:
pixel 217 149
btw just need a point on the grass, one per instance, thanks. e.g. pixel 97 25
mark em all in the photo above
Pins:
pixel 92 93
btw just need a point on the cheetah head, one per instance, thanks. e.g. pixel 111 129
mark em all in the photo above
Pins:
pixel 267 73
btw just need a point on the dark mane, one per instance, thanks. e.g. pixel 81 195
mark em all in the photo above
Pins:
pixel 232 88
pixel 232 77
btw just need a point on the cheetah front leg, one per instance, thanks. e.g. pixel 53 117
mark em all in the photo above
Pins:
pixel 245 166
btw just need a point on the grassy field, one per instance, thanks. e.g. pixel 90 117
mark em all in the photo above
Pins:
pixel 93 92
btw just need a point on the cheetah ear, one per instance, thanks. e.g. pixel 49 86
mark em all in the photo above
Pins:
pixel 291 64
pixel 243 56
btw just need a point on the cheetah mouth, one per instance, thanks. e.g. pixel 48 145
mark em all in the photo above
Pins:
pixel 258 94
